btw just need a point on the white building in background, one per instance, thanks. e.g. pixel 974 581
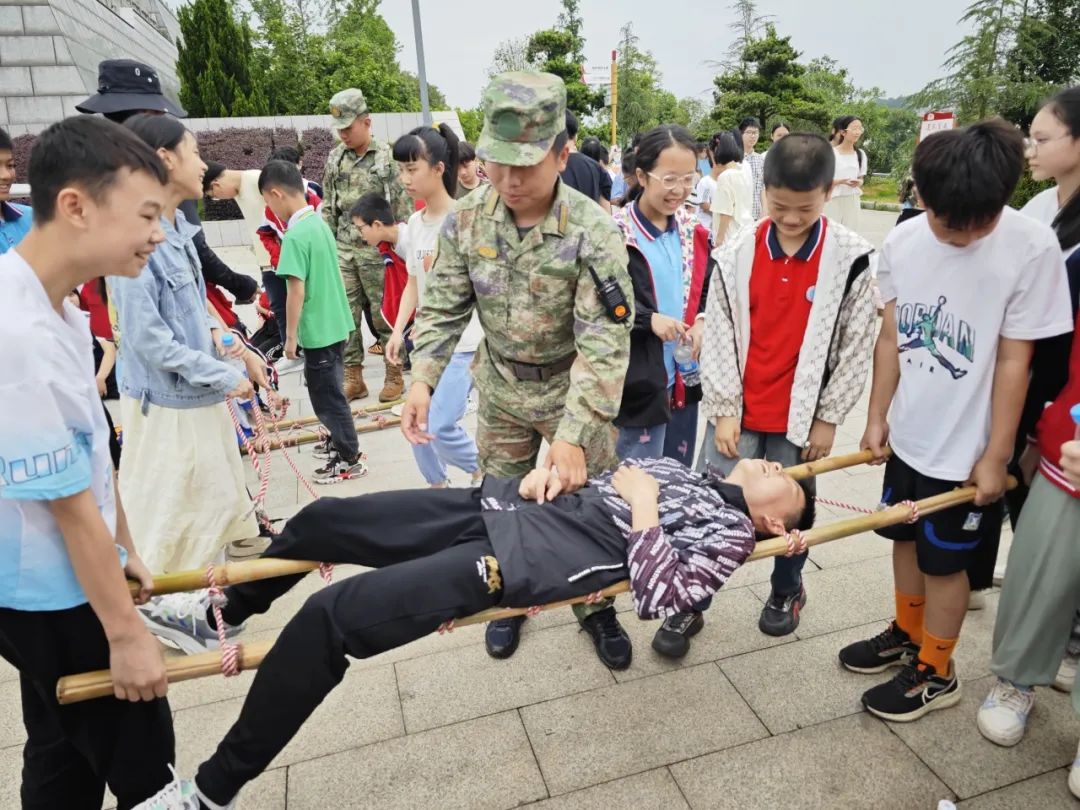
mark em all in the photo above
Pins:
pixel 50 50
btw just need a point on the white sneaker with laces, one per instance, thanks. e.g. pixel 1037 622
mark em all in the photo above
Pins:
pixel 177 795
pixel 181 619
pixel 1004 714
pixel 1066 674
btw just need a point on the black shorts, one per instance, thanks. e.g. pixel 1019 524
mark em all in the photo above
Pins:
pixel 948 541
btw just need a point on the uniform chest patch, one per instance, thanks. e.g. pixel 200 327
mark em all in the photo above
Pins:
pixel 487 252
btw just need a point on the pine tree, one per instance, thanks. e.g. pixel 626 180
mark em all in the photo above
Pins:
pixel 215 60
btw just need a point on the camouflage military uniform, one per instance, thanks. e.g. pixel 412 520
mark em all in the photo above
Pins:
pixel 553 361
pixel 538 306
pixel 348 177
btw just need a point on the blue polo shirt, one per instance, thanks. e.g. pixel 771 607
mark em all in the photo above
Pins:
pixel 15 222
pixel 663 252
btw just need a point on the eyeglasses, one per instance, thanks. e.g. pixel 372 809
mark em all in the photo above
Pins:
pixel 671 182
pixel 1032 145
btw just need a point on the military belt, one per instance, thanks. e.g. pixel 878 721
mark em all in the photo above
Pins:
pixel 538 372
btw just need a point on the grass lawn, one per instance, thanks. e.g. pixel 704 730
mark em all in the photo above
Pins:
pixel 879 189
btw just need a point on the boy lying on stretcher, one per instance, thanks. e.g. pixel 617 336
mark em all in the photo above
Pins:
pixel 441 554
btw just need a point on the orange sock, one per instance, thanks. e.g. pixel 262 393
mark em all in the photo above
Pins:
pixel 937 652
pixel 909 615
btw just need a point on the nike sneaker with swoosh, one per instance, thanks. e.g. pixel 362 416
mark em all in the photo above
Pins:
pixel 890 648
pixel 916 690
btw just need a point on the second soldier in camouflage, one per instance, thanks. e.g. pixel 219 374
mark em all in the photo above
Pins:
pixel 356 166
pixel 527 253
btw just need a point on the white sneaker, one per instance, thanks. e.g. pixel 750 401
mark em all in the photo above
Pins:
pixel 1066 674
pixel 977 600
pixel 247 548
pixel 177 795
pixel 181 619
pixel 999 575
pixel 1074 775
pixel 285 366
pixel 1004 714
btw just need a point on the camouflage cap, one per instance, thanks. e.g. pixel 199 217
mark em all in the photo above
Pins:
pixel 523 113
pixel 346 106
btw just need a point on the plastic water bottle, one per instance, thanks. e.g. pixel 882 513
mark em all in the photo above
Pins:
pixel 228 341
pixel 241 408
pixel 687 365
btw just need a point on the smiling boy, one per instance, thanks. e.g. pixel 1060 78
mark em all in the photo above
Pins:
pixel 65 607
pixel 14 218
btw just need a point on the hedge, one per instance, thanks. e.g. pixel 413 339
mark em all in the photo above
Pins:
pixel 236 148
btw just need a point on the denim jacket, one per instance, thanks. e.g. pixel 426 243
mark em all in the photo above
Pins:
pixel 167 355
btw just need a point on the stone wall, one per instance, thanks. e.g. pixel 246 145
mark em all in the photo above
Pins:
pixel 50 49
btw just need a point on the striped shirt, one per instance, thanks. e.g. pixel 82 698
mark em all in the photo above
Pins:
pixel 705 534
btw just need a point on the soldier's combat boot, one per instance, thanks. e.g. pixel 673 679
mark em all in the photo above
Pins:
pixel 355 387
pixel 393 385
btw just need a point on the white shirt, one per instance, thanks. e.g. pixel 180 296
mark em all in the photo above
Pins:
pixel 732 198
pixel 848 167
pixel 706 186
pixel 253 207
pixel 952 306
pixel 416 244
pixel 54 440
pixel 1044 207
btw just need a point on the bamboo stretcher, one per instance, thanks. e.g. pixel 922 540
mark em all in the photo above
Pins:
pixel 310 436
pixel 288 424
pixel 91 685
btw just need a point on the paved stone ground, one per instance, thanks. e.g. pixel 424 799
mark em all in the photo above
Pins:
pixel 744 721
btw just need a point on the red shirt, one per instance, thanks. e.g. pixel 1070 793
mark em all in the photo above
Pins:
pixel 781 296
pixel 91 301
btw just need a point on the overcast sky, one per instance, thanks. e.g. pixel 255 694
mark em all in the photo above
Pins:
pixel 897 45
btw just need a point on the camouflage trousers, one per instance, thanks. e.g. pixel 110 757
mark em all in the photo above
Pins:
pixel 512 423
pixel 364 274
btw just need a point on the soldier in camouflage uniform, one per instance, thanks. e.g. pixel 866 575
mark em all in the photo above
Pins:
pixel 355 166
pixel 528 253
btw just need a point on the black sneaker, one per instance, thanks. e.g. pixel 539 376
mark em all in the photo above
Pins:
pixel 502 636
pixel 323 448
pixel 780 616
pixel 611 642
pixel 890 648
pixel 338 469
pixel 916 690
pixel 672 640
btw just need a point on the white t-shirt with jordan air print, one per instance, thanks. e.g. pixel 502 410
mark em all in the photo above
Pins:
pixel 952 306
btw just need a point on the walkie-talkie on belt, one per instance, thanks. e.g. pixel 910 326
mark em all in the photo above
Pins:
pixel 612 297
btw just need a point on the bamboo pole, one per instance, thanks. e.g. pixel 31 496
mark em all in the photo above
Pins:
pixel 90 685
pixel 252 570
pixel 310 437
pixel 311 420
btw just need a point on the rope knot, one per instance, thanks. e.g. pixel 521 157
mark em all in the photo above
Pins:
pixel 796 543
pixel 230 653
pixel 914 507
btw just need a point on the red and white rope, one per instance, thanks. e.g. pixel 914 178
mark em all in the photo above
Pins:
pixel 230 653
pixel 842 505
pixel 796 543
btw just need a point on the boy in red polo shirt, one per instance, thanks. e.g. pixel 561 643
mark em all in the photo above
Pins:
pixel 789 328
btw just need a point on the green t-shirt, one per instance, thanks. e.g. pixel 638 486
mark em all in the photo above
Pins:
pixel 309 253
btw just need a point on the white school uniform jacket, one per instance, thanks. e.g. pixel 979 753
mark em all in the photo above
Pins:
pixel 837 346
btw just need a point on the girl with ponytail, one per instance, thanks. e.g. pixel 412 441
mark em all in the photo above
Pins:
pixel 428 162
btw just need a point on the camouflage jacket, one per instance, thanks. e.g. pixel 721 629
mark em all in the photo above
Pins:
pixel 837 346
pixel 536 299
pixel 349 177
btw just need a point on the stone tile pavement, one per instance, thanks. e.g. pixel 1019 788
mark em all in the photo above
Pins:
pixel 745 721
